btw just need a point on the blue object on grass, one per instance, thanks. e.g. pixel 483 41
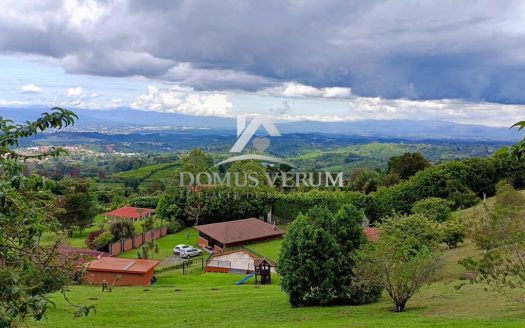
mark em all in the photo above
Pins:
pixel 243 280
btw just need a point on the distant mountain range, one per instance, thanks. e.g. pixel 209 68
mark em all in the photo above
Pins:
pixel 420 129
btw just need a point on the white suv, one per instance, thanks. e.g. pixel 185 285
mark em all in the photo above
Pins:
pixel 190 252
pixel 179 248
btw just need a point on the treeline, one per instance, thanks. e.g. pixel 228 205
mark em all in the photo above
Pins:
pixel 460 183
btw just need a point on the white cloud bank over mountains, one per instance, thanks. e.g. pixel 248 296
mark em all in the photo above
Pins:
pixel 181 100
pixel 184 100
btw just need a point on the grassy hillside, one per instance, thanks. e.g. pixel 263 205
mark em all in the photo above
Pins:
pixel 150 172
pixel 178 301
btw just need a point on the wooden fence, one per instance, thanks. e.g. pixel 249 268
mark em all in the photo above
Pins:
pixel 126 244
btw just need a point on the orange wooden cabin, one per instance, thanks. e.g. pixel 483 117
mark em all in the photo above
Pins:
pixel 121 272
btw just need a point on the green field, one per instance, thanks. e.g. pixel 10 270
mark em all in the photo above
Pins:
pixel 214 300
pixel 152 172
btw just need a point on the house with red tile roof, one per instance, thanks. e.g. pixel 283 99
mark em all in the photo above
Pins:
pixel 130 213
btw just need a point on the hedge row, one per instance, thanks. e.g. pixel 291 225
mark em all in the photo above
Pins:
pixel 286 207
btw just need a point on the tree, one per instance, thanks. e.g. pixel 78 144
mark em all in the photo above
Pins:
pixel 148 224
pixel 403 259
pixel 196 161
pixel 29 272
pixel 103 240
pixel 434 208
pixel 244 169
pixel 148 248
pixel 452 232
pixel 407 164
pixel 365 180
pixel 122 229
pixel 508 199
pixel 172 203
pixel 518 150
pixel 76 208
pixel 317 256
pixel 195 206
pixel 502 266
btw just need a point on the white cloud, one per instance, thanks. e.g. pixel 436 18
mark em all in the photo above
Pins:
pixel 31 88
pixel 77 92
pixel 294 89
pixel 453 110
pixel 184 100
pixel 4 103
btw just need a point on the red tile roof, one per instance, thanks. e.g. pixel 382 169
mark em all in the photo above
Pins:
pixel 115 264
pixel 240 230
pixel 371 233
pixel 128 212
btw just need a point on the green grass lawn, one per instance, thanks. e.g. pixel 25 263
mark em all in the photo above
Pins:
pixel 213 300
pixel 269 249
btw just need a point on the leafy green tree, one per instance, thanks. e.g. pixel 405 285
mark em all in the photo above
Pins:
pixel 391 179
pixel 102 240
pixel 407 164
pixel 172 203
pixel 195 206
pixel 518 150
pixel 29 272
pixel 490 225
pixel 77 207
pixel 121 229
pixel 459 195
pixel 317 257
pixel 453 232
pixel 196 161
pixel 148 224
pixel 365 180
pixel 246 171
pixel 148 249
pixel 500 231
pixel 434 208
pixel 509 199
pixel 404 259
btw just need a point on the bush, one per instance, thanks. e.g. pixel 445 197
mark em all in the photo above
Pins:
pixel 122 229
pixel 215 204
pixel 91 237
pixel 317 258
pixel 287 207
pixel 434 208
pixel 403 260
pixel 174 226
pixel 103 240
pixel 453 233
pixel 145 201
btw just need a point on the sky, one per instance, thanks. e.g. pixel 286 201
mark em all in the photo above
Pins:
pixel 460 61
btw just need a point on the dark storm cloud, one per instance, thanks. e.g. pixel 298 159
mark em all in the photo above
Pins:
pixel 431 49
